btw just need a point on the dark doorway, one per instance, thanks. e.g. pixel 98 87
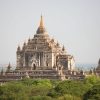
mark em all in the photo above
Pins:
pixel 34 67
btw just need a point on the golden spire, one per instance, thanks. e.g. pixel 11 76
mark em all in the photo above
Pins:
pixel 41 28
pixel 41 21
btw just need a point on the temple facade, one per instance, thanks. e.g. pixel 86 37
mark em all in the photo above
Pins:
pixel 42 52
pixel 42 58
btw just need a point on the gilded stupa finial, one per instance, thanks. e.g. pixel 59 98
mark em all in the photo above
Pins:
pixel 41 28
pixel 41 22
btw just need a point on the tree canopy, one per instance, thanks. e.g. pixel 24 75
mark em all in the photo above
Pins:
pixel 44 89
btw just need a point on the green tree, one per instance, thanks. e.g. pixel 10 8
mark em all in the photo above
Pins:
pixel 91 79
pixel 72 87
pixel 93 93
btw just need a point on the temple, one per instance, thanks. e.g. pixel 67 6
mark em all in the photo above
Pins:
pixel 42 52
pixel 42 57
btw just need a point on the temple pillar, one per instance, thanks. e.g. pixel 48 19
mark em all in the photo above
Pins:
pixel 44 59
pixel 24 61
pixel 41 63
pixel 39 59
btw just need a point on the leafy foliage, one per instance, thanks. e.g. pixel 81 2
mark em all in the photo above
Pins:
pixel 28 89
pixel 91 79
pixel 93 93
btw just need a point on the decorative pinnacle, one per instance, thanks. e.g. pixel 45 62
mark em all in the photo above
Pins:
pixel 41 28
pixel 63 48
pixel 99 61
pixel 9 65
pixel 18 48
pixel 41 22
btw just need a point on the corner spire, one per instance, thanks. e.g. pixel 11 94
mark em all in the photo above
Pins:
pixel 99 62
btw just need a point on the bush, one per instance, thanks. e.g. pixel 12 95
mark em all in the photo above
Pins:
pixel 91 80
pixel 68 97
pixel 76 88
pixel 40 98
pixel 93 93
pixel 28 89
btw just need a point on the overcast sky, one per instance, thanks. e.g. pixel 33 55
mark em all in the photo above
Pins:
pixel 74 23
